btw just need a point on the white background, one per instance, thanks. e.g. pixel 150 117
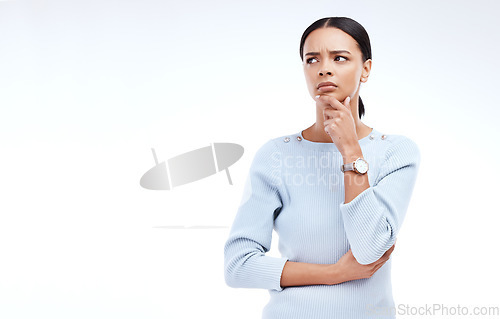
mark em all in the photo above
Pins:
pixel 87 88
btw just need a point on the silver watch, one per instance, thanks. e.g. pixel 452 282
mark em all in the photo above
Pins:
pixel 360 166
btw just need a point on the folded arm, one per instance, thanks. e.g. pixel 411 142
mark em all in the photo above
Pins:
pixel 373 218
pixel 245 263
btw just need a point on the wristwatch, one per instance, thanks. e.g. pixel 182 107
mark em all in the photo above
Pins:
pixel 360 166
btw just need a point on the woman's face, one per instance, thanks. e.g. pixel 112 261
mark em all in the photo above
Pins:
pixel 345 69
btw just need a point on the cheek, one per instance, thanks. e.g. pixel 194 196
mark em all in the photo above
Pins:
pixel 352 74
pixel 309 78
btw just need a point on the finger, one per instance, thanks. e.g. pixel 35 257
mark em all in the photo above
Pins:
pixel 382 260
pixel 330 114
pixel 334 103
pixel 347 103
pixel 331 101
pixel 326 115
pixel 390 250
pixel 330 122
pixel 384 257
pixel 331 110
pixel 378 267
pixel 328 128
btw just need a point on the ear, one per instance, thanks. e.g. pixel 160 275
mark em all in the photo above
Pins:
pixel 367 66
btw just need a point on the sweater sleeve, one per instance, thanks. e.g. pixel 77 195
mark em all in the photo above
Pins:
pixel 373 219
pixel 245 263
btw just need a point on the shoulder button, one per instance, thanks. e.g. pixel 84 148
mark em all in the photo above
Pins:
pixel 383 137
pixel 286 140
pixel 299 138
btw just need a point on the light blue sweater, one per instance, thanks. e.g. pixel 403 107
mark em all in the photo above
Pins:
pixel 296 186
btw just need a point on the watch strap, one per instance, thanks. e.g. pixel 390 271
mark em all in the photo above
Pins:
pixel 347 167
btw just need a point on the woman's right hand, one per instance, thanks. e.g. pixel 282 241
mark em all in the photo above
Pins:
pixel 347 267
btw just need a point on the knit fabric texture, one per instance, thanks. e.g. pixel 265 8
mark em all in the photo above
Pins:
pixel 296 187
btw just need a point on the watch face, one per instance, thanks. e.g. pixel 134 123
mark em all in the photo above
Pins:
pixel 361 165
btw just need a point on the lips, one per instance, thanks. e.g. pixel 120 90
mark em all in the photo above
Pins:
pixel 326 84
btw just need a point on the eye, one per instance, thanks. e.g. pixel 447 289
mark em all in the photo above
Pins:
pixel 309 60
pixel 342 57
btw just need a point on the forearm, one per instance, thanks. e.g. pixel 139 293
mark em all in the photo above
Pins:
pixel 354 183
pixel 302 274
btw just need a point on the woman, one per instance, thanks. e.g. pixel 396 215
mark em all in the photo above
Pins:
pixel 336 193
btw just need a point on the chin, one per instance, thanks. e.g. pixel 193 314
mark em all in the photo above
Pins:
pixel 334 94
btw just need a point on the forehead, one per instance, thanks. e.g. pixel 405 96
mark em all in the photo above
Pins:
pixel 329 39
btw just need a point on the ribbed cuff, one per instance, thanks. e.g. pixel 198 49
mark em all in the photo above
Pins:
pixel 280 264
pixel 268 272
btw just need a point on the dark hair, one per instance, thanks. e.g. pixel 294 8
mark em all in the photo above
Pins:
pixel 349 26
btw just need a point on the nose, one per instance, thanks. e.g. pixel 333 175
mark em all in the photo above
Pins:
pixel 324 71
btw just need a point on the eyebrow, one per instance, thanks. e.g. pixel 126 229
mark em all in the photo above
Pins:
pixel 331 52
